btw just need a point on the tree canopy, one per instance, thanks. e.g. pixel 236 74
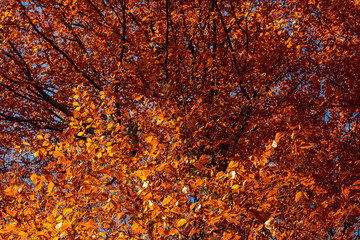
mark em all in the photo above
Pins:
pixel 186 119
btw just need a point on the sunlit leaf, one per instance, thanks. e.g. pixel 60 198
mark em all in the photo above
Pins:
pixel 50 187
pixel 181 222
pixel 34 178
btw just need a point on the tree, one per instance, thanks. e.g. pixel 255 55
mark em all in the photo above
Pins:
pixel 125 119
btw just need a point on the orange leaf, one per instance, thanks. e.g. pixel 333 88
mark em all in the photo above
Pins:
pixel 307 146
pixel 67 211
pixel 57 154
pixel 298 196
pixel 50 187
pixel 33 178
pixel 38 186
pixel 23 235
pixel 149 139
pixel 278 136
pixel 166 200
pixel 199 166
pixel 8 228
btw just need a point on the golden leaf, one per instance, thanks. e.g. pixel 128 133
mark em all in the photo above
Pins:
pixel 8 228
pixel 149 139
pixel 166 200
pixel 23 235
pixel 50 187
pixel 67 211
pixel 54 212
pixel 181 222
pixel 33 178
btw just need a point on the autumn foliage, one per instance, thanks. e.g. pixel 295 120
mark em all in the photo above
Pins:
pixel 184 119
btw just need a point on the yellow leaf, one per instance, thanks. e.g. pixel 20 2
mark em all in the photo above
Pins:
pixel 166 200
pixel 76 96
pixel 181 222
pixel 33 178
pixel 148 139
pixel 50 187
pixel 233 164
pixel 142 174
pixel 80 134
pixel 75 103
pixel 40 137
pixel 236 186
pixel 36 154
pixel 54 212
pixel 109 149
pixel 67 211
